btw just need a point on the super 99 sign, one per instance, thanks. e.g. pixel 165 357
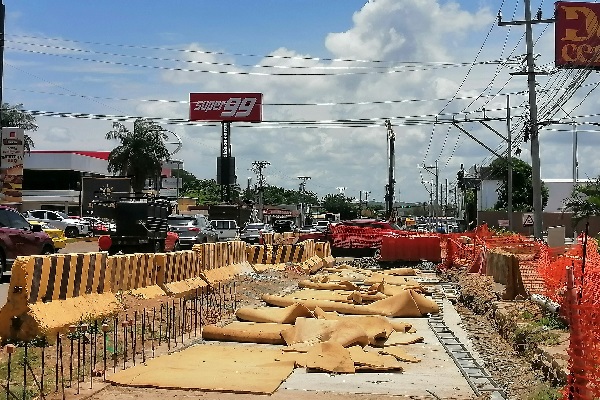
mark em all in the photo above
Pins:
pixel 227 107
pixel 577 35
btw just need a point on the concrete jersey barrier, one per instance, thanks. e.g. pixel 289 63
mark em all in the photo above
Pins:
pixel 49 293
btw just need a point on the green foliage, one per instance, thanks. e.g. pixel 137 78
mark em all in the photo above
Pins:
pixel 141 152
pixel 552 322
pixel 275 195
pixel 522 185
pixel 545 392
pixel 528 336
pixel 584 201
pixel 15 116
pixel 338 203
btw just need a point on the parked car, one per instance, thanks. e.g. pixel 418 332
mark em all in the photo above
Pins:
pixel 227 229
pixel 192 229
pixel 58 237
pixel 19 238
pixel 251 233
pixel 322 226
pixel 284 225
pixel 307 229
pixel 98 226
pixel 72 227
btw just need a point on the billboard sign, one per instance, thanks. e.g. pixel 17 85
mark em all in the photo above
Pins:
pixel 228 107
pixel 11 165
pixel 577 35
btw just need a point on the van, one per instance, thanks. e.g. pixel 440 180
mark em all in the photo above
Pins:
pixel 227 229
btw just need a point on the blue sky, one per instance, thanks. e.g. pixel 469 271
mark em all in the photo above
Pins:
pixel 417 58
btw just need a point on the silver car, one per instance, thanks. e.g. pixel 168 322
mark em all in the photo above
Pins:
pixel 251 233
pixel 192 229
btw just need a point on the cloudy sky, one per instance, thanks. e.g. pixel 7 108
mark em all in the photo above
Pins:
pixel 331 72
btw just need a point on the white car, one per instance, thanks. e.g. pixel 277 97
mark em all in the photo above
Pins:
pixel 72 227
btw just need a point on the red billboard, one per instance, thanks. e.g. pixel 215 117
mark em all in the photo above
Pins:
pixel 577 35
pixel 245 107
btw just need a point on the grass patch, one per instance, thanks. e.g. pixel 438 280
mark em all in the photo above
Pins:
pixel 545 392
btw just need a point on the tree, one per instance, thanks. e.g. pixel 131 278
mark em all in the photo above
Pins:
pixel 338 203
pixel 277 195
pixel 584 201
pixel 206 191
pixel 15 116
pixel 522 189
pixel 141 152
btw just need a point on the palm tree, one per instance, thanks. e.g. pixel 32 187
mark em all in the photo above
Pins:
pixel 141 152
pixel 16 117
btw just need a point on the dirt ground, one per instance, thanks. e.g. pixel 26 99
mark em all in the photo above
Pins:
pixel 511 371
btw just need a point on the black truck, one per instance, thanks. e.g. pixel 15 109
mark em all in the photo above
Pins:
pixel 140 223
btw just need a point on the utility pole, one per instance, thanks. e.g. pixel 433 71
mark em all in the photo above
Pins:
pixel 509 193
pixel 533 122
pixel 389 196
pixel 437 191
pixel 2 13
pixel 257 168
pixel 302 189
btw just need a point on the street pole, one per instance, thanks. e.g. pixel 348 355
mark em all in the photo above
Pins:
pixel 437 190
pixel 575 163
pixel 360 204
pixel 391 167
pixel 257 168
pixel 510 166
pixel 535 142
pixel 533 122
pixel 2 14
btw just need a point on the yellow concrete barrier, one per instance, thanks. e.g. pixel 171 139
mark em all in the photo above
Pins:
pixel 136 273
pixel 323 250
pixel 49 293
pixel 182 272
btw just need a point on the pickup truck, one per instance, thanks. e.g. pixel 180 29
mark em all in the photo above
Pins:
pixel 227 229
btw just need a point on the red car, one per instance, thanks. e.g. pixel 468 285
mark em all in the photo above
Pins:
pixel 19 238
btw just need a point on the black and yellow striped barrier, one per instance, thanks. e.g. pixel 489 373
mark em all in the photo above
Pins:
pixel 49 293
pixel 182 272
pixel 136 273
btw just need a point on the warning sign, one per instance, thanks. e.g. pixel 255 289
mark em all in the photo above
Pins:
pixel 527 219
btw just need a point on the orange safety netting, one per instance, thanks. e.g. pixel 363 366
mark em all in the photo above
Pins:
pixel 359 237
pixel 544 272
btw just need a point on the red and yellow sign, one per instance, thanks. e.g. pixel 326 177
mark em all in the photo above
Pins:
pixel 577 35
pixel 230 107
pixel 11 165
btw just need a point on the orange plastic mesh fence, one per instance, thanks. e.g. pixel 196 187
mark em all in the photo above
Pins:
pixel 584 344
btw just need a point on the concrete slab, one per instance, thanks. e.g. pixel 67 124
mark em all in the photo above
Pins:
pixel 436 374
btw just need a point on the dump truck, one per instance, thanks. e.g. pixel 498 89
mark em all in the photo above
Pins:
pixel 140 224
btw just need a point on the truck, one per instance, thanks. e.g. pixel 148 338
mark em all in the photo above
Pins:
pixel 140 223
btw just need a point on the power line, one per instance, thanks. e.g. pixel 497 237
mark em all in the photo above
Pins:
pixel 207 71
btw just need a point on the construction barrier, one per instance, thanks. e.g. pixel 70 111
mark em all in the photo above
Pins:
pixel 182 272
pixel 411 248
pixel 137 273
pixel 221 261
pixel 569 277
pixel 323 250
pixel 49 293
